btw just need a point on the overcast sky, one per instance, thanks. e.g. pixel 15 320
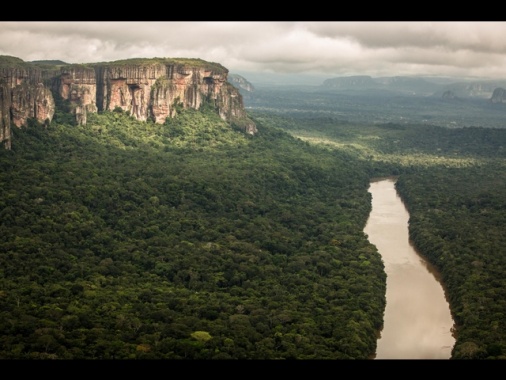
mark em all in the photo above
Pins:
pixel 378 48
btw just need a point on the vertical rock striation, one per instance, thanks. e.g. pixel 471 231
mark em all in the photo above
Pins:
pixel 148 89
pixel 23 95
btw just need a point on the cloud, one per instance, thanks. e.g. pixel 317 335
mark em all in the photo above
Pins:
pixel 330 48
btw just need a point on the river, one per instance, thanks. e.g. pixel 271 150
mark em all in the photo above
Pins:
pixel 417 319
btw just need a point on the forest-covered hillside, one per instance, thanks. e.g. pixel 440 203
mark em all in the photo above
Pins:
pixel 184 240
pixel 193 240
pixel 453 182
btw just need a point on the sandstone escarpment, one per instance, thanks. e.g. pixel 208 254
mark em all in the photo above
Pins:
pixel 31 101
pixel 153 89
pixel 23 95
pixel 148 89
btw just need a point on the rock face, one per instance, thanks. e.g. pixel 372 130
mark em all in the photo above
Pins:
pixel 241 83
pixel 498 96
pixel 23 95
pixel 148 89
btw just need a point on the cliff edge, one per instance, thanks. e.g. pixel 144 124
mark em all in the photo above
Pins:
pixel 148 89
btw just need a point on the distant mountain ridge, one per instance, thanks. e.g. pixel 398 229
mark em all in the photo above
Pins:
pixel 416 86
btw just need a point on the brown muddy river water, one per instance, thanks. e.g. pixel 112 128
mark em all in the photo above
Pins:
pixel 417 320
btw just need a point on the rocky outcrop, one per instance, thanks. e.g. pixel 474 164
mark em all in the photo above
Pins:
pixel 5 117
pixel 23 95
pixel 148 89
pixel 241 83
pixel 77 84
pixel 498 96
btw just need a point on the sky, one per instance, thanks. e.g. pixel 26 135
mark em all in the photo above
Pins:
pixel 329 49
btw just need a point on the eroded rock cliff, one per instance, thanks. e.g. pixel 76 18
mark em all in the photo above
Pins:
pixel 23 95
pixel 148 89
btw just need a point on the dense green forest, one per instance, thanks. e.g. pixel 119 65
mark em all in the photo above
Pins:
pixel 453 183
pixel 376 106
pixel 192 240
pixel 188 240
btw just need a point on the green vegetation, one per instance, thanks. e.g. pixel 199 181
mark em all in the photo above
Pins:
pixel 123 239
pixel 192 62
pixel 48 64
pixel 375 107
pixel 191 240
pixel 453 183
pixel 458 219
pixel 8 61
pixel 14 62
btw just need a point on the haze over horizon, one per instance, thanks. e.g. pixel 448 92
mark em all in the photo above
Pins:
pixel 469 49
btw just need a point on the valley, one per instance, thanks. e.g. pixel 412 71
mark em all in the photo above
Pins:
pixel 193 239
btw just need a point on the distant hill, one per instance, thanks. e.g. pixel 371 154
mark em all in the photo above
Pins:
pixel 422 86
pixel 474 89
pixel 408 85
pixel 352 82
pixel 240 82
pixel 499 95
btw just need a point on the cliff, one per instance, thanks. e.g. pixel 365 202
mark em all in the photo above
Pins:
pixel 148 89
pixel 241 83
pixel 23 95
pixel 498 96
